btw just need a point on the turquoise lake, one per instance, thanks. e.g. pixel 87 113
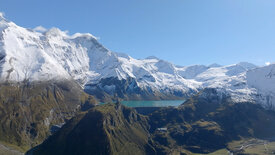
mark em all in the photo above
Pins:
pixel 161 103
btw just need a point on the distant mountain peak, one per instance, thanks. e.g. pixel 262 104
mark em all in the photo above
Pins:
pixel 56 32
pixel 214 65
pixel 152 57
pixel 84 35
pixel 247 65
pixel 40 29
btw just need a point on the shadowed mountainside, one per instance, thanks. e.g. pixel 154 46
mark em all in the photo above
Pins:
pixel 107 129
pixel 204 125
pixel 200 125
pixel 28 110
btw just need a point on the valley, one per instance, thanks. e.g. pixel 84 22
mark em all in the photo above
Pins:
pixel 199 126
pixel 253 146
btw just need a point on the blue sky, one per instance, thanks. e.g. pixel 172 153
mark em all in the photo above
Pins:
pixel 184 32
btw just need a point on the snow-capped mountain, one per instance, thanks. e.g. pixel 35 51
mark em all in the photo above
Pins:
pixel 30 55
pixel 263 80
pixel 36 55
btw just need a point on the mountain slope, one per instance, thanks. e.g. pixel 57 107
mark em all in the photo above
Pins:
pixel 23 57
pixel 29 110
pixel 108 129
pixel 263 80
pixel 207 122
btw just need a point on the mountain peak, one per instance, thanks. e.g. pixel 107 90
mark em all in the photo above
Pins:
pixel 4 23
pixel 84 35
pixel 152 57
pixel 247 65
pixel 56 32
pixel 40 29
pixel 214 65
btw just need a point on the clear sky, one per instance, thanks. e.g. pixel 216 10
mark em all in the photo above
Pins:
pixel 184 32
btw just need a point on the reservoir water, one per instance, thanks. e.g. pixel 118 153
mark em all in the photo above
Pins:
pixel 161 103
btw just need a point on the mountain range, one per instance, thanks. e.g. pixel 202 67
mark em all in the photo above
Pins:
pixel 34 55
